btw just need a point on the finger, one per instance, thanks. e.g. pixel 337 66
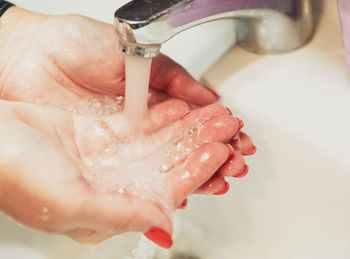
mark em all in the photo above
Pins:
pixel 219 129
pixel 215 185
pixel 195 119
pixel 244 144
pixel 188 176
pixel 166 75
pixel 235 166
pixel 156 96
pixel 201 115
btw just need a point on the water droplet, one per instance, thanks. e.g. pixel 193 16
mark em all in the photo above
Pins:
pixel 186 175
pixel 120 100
pixel 87 161
pixel 44 214
pixel 164 168
pixel 179 146
pixel 204 157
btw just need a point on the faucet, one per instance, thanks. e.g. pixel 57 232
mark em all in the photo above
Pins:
pixel 263 26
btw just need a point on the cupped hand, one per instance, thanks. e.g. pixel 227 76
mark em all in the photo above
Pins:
pixel 62 59
pixel 87 176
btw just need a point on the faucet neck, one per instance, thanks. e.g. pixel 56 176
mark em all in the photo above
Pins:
pixel 144 25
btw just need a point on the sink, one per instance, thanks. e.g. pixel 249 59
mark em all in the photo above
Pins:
pixel 294 203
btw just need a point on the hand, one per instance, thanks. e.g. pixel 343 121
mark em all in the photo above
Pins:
pixel 75 175
pixel 60 60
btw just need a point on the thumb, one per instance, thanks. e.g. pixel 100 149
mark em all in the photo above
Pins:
pixel 168 76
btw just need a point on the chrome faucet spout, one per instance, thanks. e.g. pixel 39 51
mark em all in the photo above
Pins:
pixel 263 26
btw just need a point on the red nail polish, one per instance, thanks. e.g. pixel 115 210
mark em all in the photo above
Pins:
pixel 240 123
pixel 243 173
pixel 229 111
pixel 183 204
pixel 160 237
pixel 251 152
pixel 213 92
pixel 223 191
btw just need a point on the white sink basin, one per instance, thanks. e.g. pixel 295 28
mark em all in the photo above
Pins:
pixel 295 201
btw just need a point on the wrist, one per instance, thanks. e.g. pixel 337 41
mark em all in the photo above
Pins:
pixel 10 17
pixel 17 27
pixel 4 5
pixel 15 20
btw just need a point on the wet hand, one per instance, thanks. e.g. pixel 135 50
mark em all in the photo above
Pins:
pixel 61 59
pixel 87 177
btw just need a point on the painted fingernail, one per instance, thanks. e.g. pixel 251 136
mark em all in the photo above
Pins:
pixel 160 237
pixel 243 173
pixel 251 152
pixel 229 111
pixel 240 123
pixel 183 204
pixel 224 190
pixel 213 92
pixel 230 149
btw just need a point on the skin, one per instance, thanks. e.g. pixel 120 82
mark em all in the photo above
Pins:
pixel 49 64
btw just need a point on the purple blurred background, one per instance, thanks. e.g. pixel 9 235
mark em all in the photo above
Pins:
pixel 344 14
pixel 202 8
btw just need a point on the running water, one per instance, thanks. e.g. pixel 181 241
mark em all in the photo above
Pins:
pixel 137 74
pixel 118 167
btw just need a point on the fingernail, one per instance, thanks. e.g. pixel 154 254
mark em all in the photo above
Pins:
pixel 224 190
pixel 251 152
pixel 229 111
pixel 183 204
pixel 243 173
pixel 230 149
pixel 213 92
pixel 160 237
pixel 240 123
